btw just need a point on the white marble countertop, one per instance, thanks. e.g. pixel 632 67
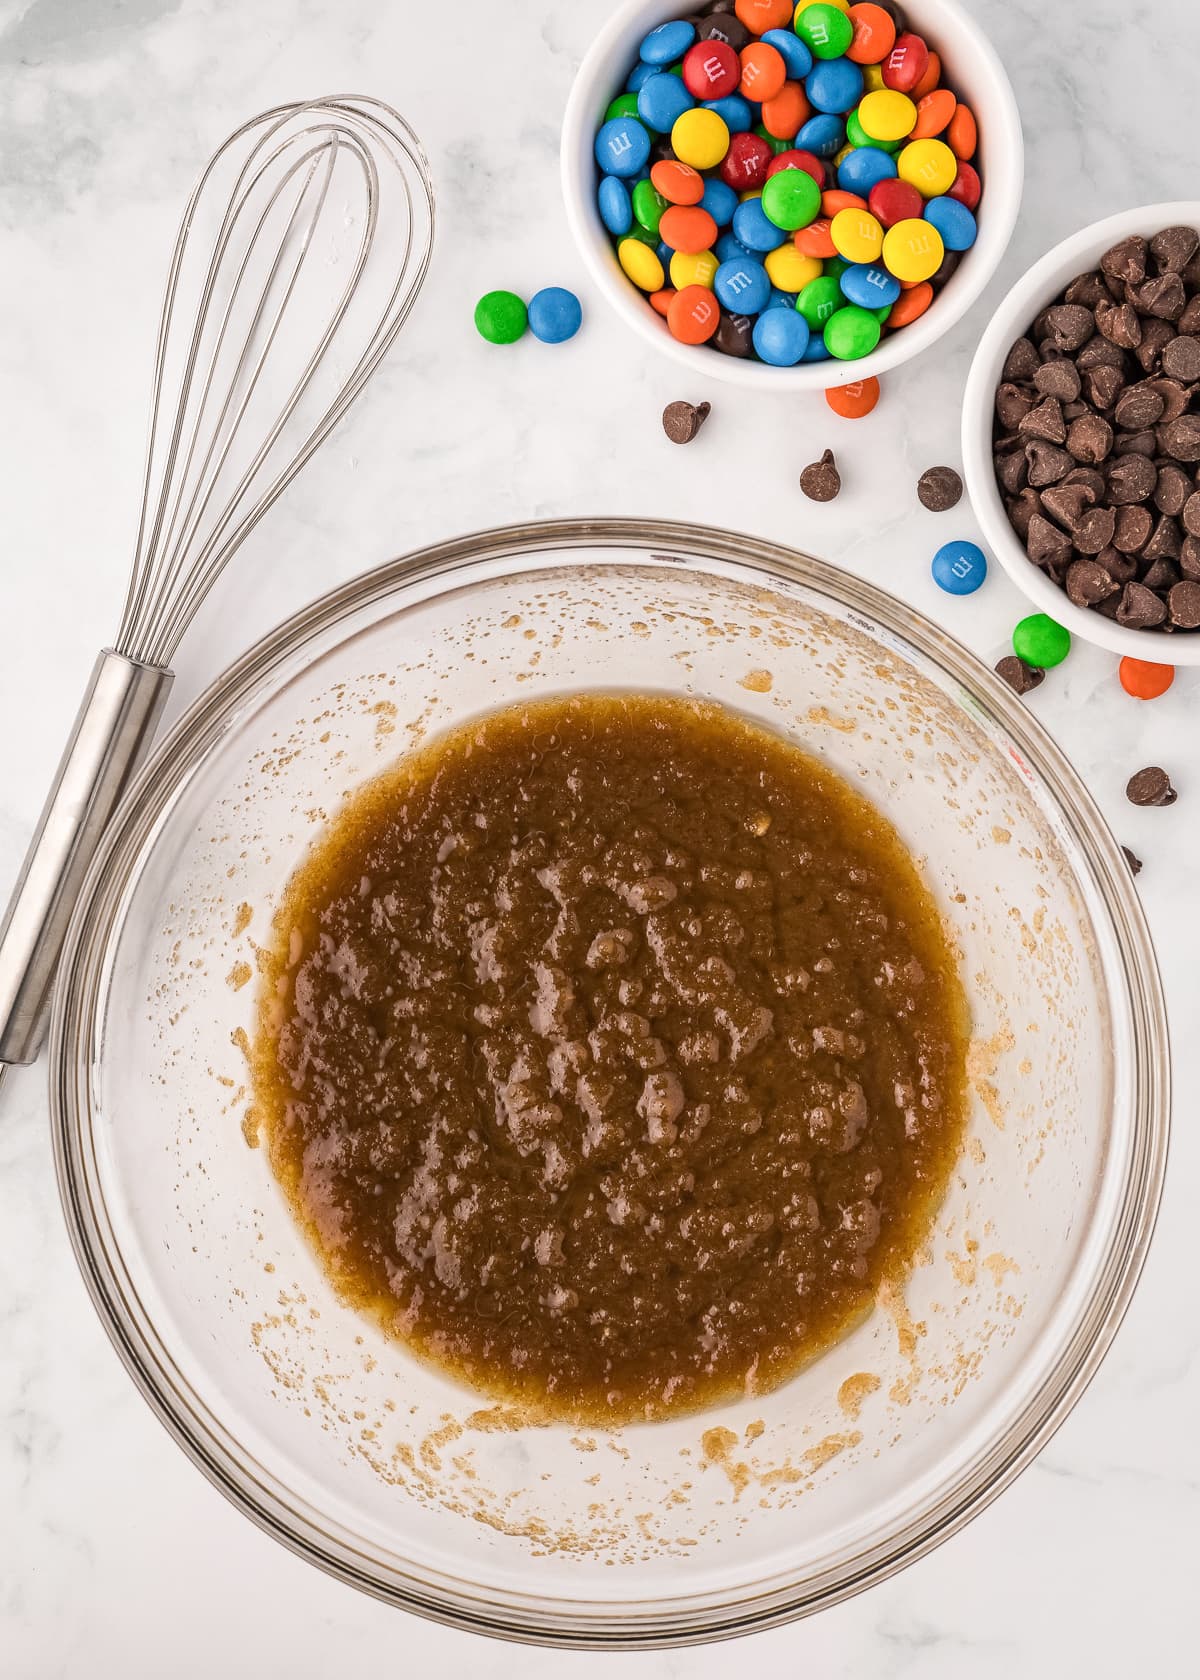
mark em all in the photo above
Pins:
pixel 116 1557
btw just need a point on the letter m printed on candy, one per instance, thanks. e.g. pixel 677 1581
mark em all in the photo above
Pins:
pixel 619 144
pixel 713 69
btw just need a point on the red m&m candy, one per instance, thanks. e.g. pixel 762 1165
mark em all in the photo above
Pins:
pixel 905 64
pixel 795 159
pixel 894 201
pixel 744 165
pixel 967 188
pixel 711 69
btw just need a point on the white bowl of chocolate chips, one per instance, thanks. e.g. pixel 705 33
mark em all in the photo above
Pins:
pixel 1081 433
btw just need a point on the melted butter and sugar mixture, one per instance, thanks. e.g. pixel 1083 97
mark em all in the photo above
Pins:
pixel 611 1054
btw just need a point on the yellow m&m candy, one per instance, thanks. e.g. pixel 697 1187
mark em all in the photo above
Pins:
pixel 641 264
pixel 928 165
pixel 857 236
pixel 913 250
pixel 697 268
pixel 872 77
pixel 701 138
pixel 789 270
pixel 887 115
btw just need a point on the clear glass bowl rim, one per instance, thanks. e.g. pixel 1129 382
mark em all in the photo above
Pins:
pixel 205 1439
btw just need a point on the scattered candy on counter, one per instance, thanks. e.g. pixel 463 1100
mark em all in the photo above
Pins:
pixel 1096 447
pixel 939 489
pixel 1151 786
pixel 1021 678
pixel 854 401
pixel 1040 641
pixel 553 316
pixel 960 568
pixel 803 165
pixel 1144 679
pixel 682 420
pixel 821 481
pixel 1134 862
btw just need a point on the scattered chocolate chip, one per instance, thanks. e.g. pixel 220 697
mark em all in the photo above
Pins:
pixel 1047 463
pixel 821 481
pixel 1059 379
pixel 939 488
pixel 1127 260
pixel 1140 608
pixel 1131 478
pixel 1180 439
pixel 1174 248
pixel 734 334
pixel 1090 439
pixel 1021 363
pixel 1134 862
pixel 1021 678
pixel 1088 582
pixel 1183 602
pixel 1120 324
pixel 1181 359
pixel 1134 526
pixel 1151 786
pixel 682 420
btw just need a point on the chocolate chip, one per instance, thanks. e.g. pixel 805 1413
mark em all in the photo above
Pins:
pixel 1160 575
pixel 1090 439
pixel 1163 297
pixel 1191 514
pixel 1069 502
pixel 1095 530
pixel 1047 464
pixel 1174 248
pixel 1121 568
pixel 1103 385
pixel 734 334
pixel 1180 439
pixel 1156 335
pixel 1131 478
pixel 1166 541
pixel 1140 608
pixel 1175 396
pixel 939 488
pixel 1183 603
pixel 1059 379
pixel 1070 325
pixel 1087 289
pixel 1189 321
pixel 1045 421
pixel 1134 862
pixel 1012 405
pixel 1089 476
pixel 1120 324
pixel 1045 544
pixel 1189 559
pixel 682 420
pixel 1139 406
pixel 1022 362
pixel 1181 359
pixel 1100 353
pixel 1022 510
pixel 1137 443
pixel 1021 678
pixel 1172 491
pixel 1012 469
pixel 1126 260
pixel 1151 786
pixel 1134 526
pixel 821 481
pixel 1088 583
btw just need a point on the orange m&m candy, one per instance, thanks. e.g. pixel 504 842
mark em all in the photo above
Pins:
pixel 934 113
pixel 678 182
pixel 1145 680
pixel 688 228
pixel 763 72
pixel 874 34
pixel 694 315
pixel 787 113
pixel 912 303
pixel 962 136
pixel 836 200
pixel 853 401
pixel 761 15
pixel 931 78
pixel 816 240
pixel 661 301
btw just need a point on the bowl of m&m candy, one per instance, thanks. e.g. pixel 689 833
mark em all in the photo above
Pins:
pixel 806 194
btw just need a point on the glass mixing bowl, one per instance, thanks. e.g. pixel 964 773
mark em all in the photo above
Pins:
pixel 388 1474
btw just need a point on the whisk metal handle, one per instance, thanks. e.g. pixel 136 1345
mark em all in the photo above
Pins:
pixel 112 733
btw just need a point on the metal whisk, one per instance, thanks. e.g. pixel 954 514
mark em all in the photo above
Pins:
pixel 301 251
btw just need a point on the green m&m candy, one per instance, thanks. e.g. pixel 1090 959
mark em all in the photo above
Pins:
pixel 856 135
pixel 624 105
pixel 648 206
pixel 1040 641
pixel 790 198
pixel 851 333
pixel 825 31
pixel 776 144
pixel 819 300
pixel 500 317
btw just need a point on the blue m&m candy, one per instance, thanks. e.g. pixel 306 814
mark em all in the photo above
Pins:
pixel 781 300
pixel 869 286
pixel 742 286
pixel 661 100
pixel 834 85
pixel 719 200
pixel 622 147
pixel 823 135
pixel 954 222
pixel 792 50
pixel 616 211
pixel 667 43
pixel 729 249
pixel 864 168
pixel 554 315
pixel 781 337
pixel 754 227
pixel 734 111
pixel 640 74
pixel 818 350
pixel 959 567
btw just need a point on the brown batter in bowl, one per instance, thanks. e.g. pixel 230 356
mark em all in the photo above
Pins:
pixel 611 1053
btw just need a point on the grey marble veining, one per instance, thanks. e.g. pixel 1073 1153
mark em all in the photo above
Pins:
pixel 116 1557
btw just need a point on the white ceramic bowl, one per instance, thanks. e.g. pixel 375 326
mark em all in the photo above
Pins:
pixel 971 67
pixel 1044 281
